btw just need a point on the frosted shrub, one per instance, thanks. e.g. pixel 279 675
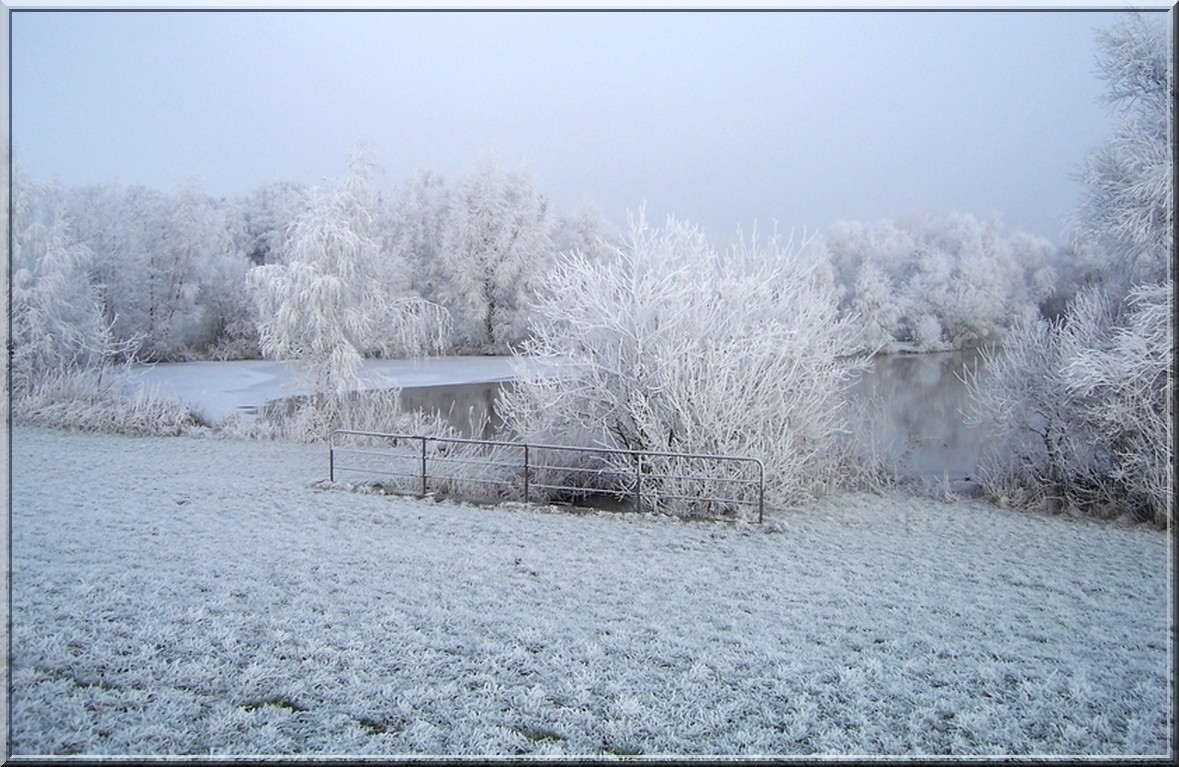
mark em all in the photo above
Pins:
pixel 1080 408
pixel 927 334
pixel 1036 453
pixel 670 345
pixel 1123 388
pixel 1096 387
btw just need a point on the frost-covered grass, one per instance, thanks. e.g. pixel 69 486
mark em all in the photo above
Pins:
pixel 81 400
pixel 196 596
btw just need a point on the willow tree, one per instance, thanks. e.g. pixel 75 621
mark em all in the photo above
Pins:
pixel 329 302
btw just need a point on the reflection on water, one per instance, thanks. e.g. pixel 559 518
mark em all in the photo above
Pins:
pixel 469 408
pixel 915 406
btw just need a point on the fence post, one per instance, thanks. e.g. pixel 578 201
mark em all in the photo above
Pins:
pixel 638 481
pixel 525 472
pixel 761 490
pixel 423 439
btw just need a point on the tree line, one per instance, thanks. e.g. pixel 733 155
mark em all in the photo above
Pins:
pixel 168 273
pixel 174 276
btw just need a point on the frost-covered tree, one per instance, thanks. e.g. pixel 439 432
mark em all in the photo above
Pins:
pixel 197 277
pixel 1128 208
pixel 418 220
pixel 167 267
pixel 878 304
pixel 988 285
pixel 228 318
pixel 670 345
pixel 497 240
pixel 57 324
pixel 146 267
pixel 586 233
pixel 1039 260
pixel 269 211
pixel 955 281
pixel 121 226
pixel 326 303
pixel 1079 409
pixel 312 306
pixel 1075 267
pixel 852 243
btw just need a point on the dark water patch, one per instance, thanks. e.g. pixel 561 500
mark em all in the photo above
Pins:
pixel 469 408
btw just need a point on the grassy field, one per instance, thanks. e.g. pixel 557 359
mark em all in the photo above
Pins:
pixel 206 596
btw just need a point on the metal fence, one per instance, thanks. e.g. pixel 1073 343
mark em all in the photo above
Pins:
pixel 496 470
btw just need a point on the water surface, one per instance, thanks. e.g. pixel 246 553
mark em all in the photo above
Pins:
pixel 916 408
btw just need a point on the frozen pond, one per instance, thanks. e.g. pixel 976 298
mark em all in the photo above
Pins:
pixel 217 389
pixel 916 402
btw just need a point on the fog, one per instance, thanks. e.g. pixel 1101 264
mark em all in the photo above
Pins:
pixel 723 119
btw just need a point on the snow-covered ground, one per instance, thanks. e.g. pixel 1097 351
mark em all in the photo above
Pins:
pixel 217 389
pixel 197 596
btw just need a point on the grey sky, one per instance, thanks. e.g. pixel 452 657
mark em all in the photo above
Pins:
pixel 723 119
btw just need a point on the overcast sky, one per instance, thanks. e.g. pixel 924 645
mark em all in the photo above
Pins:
pixel 723 119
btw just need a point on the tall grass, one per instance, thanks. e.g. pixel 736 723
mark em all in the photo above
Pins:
pixel 92 400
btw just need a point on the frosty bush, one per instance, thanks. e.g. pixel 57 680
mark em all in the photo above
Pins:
pixel 1080 408
pixel 1123 387
pixel 1036 453
pixel 670 345
pixel 92 400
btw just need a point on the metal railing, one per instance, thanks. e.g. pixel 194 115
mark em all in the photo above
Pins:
pixel 498 470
